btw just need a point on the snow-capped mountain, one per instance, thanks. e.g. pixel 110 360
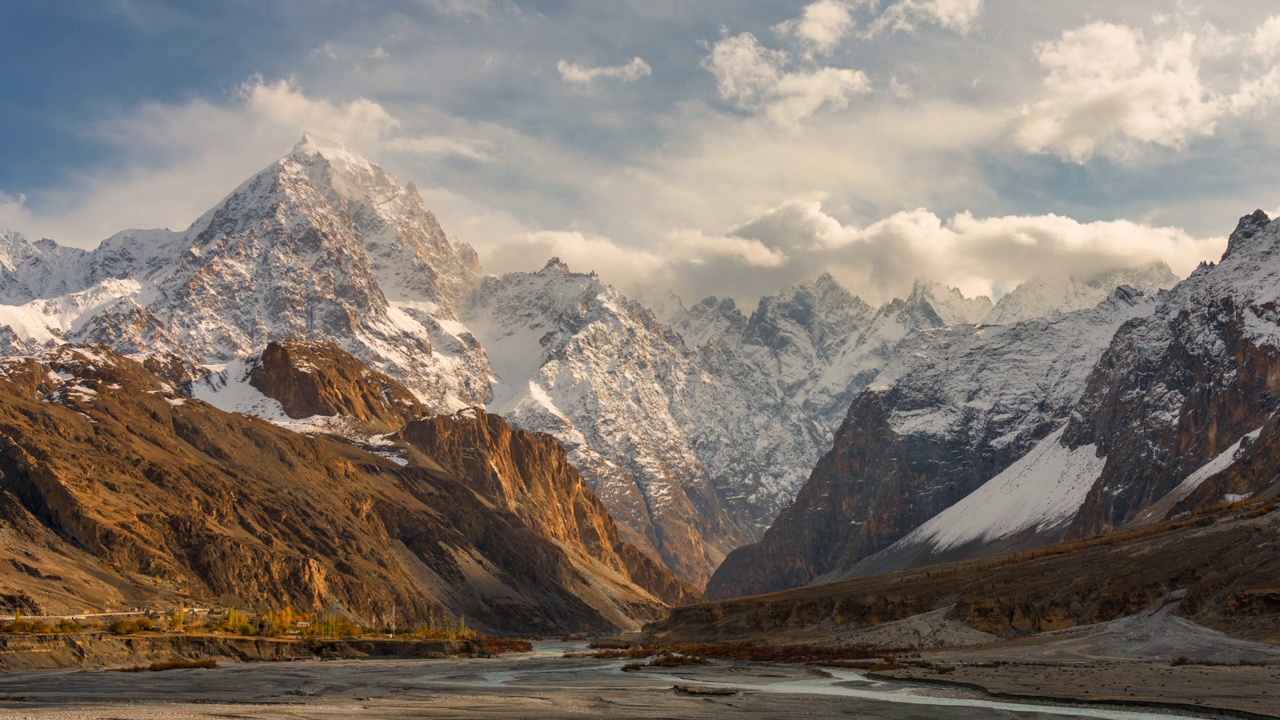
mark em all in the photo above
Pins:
pixel 983 439
pixel 696 426
pixel 574 359
pixel 322 244
pixel 1178 389
pixel 1051 297
pixel 1177 398
pixel 952 407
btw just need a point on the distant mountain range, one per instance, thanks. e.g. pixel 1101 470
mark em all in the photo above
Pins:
pixel 812 437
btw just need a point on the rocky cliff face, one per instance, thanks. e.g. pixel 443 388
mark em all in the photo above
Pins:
pixel 111 479
pixel 529 476
pixel 576 360
pixel 310 379
pixel 1177 389
pixel 953 408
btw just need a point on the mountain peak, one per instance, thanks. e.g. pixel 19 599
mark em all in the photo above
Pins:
pixel 1050 297
pixel 312 144
pixel 555 264
pixel 948 303
pixel 1248 227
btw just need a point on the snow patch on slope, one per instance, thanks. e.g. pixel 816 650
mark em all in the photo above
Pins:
pixel 228 389
pixel 48 321
pixel 1041 492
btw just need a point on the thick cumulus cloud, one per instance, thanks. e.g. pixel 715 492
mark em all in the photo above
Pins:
pixel 789 87
pixel 1111 90
pixel 798 240
pixel 821 27
pixel 981 256
pixel 761 79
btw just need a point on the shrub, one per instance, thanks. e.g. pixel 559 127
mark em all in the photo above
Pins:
pixel 497 646
pixel 28 627
pixel 129 627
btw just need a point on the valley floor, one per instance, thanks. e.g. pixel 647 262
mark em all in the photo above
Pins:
pixel 542 684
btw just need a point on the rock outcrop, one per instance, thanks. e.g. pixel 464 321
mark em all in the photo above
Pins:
pixel 529 476
pixel 310 379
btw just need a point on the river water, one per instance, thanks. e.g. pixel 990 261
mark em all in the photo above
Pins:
pixel 540 684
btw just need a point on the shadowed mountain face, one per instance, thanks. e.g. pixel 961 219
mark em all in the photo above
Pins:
pixel 118 491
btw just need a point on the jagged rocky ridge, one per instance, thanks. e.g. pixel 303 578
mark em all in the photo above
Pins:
pixel 1165 421
pixel 110 478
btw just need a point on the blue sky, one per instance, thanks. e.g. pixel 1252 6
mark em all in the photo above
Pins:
pixel 710 146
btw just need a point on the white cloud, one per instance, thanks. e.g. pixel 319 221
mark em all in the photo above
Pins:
pixel 467 9
pixel 821 27
pixel 581 252
pixel 1266 39
pixel 754 77
pixel 438 145
pixel 179 160
pixel 1111 91
pixel 359 122
pixel 585 75
pixel 696 248
pixel 978 255
pixel 799 239
pixel 906 15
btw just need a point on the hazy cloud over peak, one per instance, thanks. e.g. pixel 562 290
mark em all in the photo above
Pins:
pixel 799 240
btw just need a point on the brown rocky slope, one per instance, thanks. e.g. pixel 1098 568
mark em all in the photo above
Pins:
pixel 118 492
pixel 1227 564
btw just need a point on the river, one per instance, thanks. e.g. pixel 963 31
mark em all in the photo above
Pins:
pixel 540 684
